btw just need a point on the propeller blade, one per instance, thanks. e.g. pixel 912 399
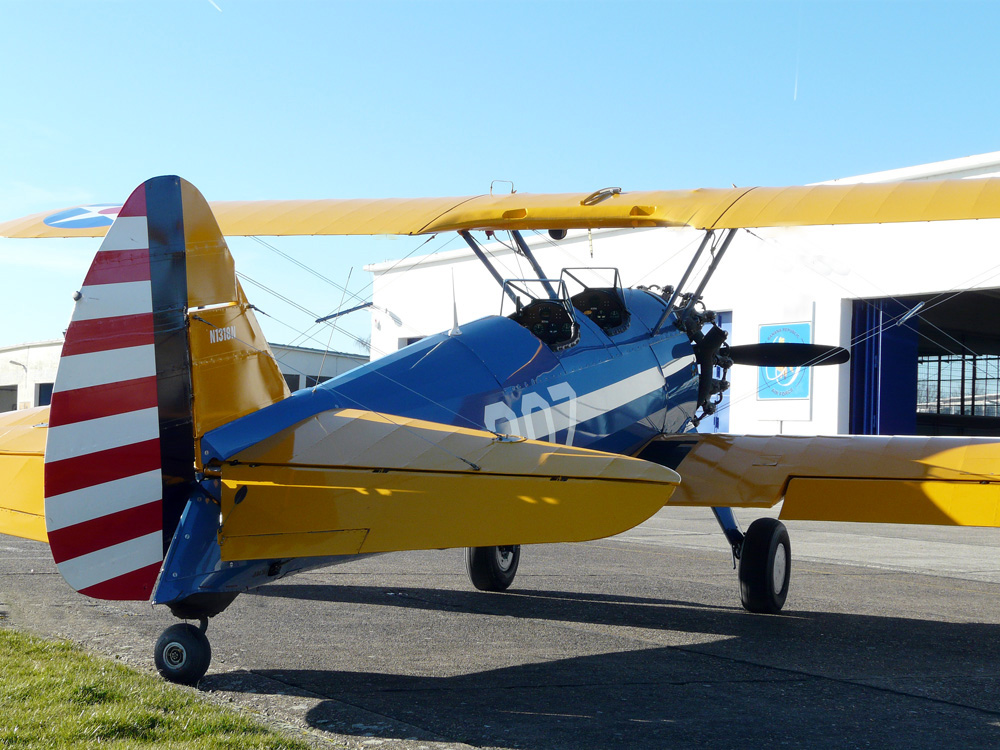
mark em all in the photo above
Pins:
pixel 787 355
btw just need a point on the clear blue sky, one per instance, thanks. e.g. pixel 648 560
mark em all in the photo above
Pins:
pixel 297 99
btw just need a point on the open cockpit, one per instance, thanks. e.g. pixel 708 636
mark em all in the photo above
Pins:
pixel 547 309
pixel 603 305
pixel 544 307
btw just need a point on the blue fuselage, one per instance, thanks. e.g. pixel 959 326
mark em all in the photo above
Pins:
pixel 608 392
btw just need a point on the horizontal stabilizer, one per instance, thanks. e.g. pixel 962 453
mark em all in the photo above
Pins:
pixel 350 481
pixel 947 481
pixel 22 450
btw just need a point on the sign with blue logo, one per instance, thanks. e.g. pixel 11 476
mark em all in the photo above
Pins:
pixel 784 382
pixel 84 217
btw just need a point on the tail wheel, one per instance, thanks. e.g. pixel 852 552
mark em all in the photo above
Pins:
pixel 765 566
pixel 492 568
pixel 182 654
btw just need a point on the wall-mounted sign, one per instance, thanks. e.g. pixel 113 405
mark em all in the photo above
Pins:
pixel 784 382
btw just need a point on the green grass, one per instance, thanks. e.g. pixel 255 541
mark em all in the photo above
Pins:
pixel 52 694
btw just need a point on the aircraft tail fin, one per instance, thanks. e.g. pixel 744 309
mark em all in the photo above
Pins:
pixel 161 348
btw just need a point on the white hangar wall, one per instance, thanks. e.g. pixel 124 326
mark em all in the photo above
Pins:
pixel 769 276
pixel 28 371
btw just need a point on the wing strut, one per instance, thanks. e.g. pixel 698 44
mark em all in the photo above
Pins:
pixel 471 242
pixel 716 258
pixel 680 286
pixel 690 299
pixel 526 252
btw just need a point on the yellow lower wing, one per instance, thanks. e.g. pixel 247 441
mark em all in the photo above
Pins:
pixel 349 481
pixel 22 453
pixel 868 479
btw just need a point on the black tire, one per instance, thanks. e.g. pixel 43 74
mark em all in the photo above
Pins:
pixel 182 654
pixel 765 566
pixel 492 568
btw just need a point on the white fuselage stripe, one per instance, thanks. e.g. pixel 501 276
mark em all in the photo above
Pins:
pixel 104 564
pixel 589 405
pixel 113 300
pixel 101 500
pixel 102 368
pixel 127 233
pixel 101 434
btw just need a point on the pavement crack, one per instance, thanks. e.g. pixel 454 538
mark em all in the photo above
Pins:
pixel 526 687
pixel 389 720
pixel 438 604
pixel 805 674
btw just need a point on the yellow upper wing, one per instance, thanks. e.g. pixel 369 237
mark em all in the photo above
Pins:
pixel 937 200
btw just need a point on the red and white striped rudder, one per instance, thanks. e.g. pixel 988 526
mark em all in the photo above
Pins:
pixel 114 424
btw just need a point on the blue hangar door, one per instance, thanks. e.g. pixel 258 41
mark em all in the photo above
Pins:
pixel 926 365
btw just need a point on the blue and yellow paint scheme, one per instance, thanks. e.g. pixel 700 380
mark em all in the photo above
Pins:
pixel 168 401
pixel 178 467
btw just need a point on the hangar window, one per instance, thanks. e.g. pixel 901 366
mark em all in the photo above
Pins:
pixel 926 365
pixel 43 394
pixel 965 385
pixel 8 398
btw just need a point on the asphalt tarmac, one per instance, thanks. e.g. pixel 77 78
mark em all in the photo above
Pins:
pixel 889 639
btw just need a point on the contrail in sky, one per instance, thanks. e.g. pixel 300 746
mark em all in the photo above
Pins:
pixel 215 6
pixel 798 56
pixel 795 92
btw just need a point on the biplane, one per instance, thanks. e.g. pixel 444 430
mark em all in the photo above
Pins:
pixel 175 466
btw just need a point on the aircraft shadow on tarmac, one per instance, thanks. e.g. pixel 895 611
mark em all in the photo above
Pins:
pixel 672 674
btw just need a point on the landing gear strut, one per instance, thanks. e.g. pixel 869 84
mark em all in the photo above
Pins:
pixel 183 653
pixel 492 568
pixel 764 558
pixel 765 566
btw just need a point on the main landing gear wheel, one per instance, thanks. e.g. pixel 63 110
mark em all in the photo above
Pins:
pixel 182 654
pixel 492 568
pixel 765 566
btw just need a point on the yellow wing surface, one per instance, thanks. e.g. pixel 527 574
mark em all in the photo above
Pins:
pixel 932 200
pixel 353 481
pixel 292 505
pixel 873 479
pixel 22 453
pixel 350 481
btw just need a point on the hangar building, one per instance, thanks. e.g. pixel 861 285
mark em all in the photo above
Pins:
pixel 916 304
pixel 27 371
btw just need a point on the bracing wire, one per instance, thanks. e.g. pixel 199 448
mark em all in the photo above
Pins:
pixel 333 328
pixel 360 295
pixel 387 417
pixel 891 321
pixel 300 308
pixel 345 292
pixel 308 269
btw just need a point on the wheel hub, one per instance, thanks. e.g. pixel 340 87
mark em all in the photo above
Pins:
pixel 505 556
pixel 175 655
pixel 779 569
